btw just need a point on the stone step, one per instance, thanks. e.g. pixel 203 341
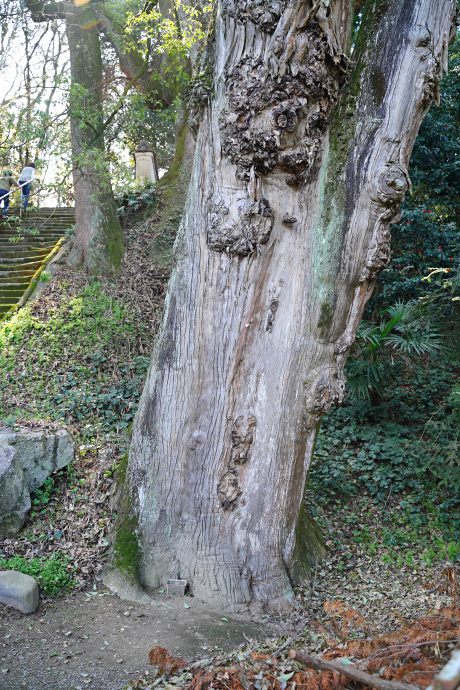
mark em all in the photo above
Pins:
pixel 19 251
pixel 46 225
pixel 25 222
pixel 42 212
pixel 12 232
pixel 24 275
pixel 47 237
pixel 7 292
pixel 22 253
pixel 69 210
pixel 11 299
pixel 18 274
pixel 35 241
pixel 22 267
pixel 19 260
pixel 13 283
pixel 23 230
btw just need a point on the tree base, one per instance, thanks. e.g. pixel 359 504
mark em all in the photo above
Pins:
pixel 310 548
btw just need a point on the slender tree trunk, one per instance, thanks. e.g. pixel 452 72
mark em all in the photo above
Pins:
pixel 300 167
pixel 99 243
pixel 28 92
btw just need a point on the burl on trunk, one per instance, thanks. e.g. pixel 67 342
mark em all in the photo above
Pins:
pixel 300 167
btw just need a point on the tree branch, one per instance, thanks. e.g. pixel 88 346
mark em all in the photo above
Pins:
pixel 349 671
pixel 127 88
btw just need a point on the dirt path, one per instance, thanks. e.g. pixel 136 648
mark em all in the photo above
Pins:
pixel 95 640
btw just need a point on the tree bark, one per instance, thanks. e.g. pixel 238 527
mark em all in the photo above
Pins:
pixel 300 167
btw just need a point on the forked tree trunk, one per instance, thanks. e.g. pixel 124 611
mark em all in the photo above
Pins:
pixel 99 244
pixel 300 167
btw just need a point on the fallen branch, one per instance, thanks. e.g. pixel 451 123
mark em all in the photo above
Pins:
pixel 448 677
pixel 349 671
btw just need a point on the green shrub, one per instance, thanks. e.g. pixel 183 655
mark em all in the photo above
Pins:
pixel 404 329
pixel 53 574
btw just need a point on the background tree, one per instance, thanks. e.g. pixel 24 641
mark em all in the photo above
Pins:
pixel 428 233
pixel 154 54
pixel 98 244
pixel 33 98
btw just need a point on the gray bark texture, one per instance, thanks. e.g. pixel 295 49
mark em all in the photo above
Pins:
pixel 300 167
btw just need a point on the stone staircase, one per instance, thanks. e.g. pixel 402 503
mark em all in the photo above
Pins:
pixel 23 260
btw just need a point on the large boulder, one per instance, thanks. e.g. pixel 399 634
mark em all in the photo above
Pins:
pixel 27 458
pixel 19 591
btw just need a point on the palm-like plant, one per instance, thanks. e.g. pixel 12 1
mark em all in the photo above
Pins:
pixel 405 330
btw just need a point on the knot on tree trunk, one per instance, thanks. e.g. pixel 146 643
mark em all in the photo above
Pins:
pixel 264 13
pixel 242 438
pixel 277 118
pixel 391 183
pixel 239 233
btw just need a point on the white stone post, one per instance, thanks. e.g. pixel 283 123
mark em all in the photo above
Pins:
pixel 146 166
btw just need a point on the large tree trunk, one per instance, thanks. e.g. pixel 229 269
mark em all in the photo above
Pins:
pixel 300 167
pixel 99 244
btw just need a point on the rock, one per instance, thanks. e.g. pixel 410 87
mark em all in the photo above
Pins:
pixel 14 495
pixel 27 458
pixel 19 591
pixel 40 454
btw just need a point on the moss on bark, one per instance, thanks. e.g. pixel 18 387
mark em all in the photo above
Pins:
pixel 125 552
pixel 310 548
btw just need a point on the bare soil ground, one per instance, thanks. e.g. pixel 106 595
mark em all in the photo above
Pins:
pixel 93 639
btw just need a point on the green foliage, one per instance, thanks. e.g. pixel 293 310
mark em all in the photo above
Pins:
pixel 443 285
pixel 22 232
pixel 406 445
pixel 42 496
pixel 54 574
pixel 396 443
pixel 45 276
pixel 168 33
pixel 72 361
pixel 405 330
pixel 142 197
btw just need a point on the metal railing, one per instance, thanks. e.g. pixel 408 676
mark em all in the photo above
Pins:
pixel 32 193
